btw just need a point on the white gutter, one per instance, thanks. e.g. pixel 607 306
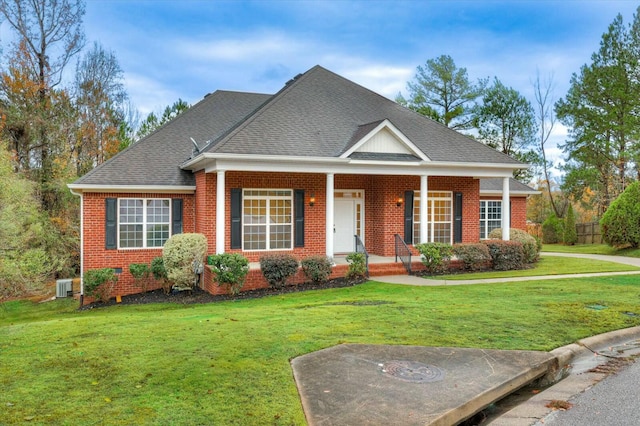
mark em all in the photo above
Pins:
pixel 166 189
pixel 79 194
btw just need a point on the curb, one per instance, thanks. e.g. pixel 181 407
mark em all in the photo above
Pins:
pixel 564 384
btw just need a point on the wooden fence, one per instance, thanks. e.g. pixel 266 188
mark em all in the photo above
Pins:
pixel 589 233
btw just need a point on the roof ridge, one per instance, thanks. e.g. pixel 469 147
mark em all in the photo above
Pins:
pixel 225 137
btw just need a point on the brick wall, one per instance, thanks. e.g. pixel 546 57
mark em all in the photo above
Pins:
pixel 383 218
pixel 95 254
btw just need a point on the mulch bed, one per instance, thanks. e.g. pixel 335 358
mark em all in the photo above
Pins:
pixel 197 295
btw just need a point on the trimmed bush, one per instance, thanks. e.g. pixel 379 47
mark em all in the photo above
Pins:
pixel 435 256
pixel 620 224
pixel 475 257
pixel 229 270
pixel 160 273
pixel 278 268
pixel 140 273
pixel 357 266
pixel 99 283
pixel 183 255
pixel 570 235
pixel 317 268
pixel 506 255
pixel 552 230
pixel 530 246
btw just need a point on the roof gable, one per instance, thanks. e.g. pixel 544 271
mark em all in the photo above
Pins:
pixel 317 113
pixel 383 138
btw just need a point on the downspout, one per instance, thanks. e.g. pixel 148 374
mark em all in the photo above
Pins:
pixel 79 194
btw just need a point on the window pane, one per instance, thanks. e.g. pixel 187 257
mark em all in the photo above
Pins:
pixel 158 211
pixel 131 236
pixel 280 237
pixel 157 235
pixel 268 218
pixel 255 237
pixel 442 232
pixel 131 211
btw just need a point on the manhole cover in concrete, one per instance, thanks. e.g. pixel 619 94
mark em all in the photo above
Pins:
pixel 412 371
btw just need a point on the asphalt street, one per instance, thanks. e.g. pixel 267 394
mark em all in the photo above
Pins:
pixel 613 401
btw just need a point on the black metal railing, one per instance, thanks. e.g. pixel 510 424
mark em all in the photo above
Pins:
pixel 403 253
pixel 360 249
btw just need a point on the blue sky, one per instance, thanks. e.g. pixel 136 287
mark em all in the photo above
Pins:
pixel 185 49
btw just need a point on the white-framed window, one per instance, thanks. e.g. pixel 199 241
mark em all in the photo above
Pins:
pixel 143 223
pixel 267 219
pixel 439 217
pixel 490 217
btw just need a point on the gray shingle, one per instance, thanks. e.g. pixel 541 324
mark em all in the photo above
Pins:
pixel 495 185
pixel 319 114
pixel 156 159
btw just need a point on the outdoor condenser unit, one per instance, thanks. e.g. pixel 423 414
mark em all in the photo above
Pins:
pixel 64 288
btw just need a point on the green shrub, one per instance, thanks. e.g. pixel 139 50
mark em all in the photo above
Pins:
pixel 140 273
pixel 435 256
pixel 620 224
pixel 530 246
pixel 475 257
pixel 99 283
pixel 357 266
pixel 183 255
pixel 570 235
pixel 160 273
pixel 552 230
pixel 317 268
pixel 506 255
pixel 229 270
pixel 278 268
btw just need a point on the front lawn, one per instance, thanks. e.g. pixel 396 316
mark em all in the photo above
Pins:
pixel 228 363
pixel 548 265
pixel 591 249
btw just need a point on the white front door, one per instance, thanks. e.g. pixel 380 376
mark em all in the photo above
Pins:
pixel 344 225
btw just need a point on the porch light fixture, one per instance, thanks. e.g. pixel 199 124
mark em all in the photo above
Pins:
pixel 399 200
pixel 312 200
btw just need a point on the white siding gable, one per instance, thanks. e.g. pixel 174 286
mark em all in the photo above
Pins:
pixel 385 138
pixel 384 141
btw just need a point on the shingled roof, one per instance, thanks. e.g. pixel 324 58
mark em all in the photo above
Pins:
pixel 317 114
pixel 156 159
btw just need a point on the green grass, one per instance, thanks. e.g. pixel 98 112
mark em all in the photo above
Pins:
pixel 591 249
pixel 228 363
pixel 548 265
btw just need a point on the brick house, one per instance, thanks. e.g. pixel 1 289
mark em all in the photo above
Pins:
pixel 302 172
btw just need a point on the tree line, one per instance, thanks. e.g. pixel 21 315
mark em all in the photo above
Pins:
pixel 601 110
pixel 53 130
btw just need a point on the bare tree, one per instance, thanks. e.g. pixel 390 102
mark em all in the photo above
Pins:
pixel 50 32
pixel 546 118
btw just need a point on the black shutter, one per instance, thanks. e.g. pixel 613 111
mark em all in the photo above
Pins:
pixel 408 217
pixel 176 216
pixel 111 223
pixel 457 217
pixel 236 218
pixel 298 207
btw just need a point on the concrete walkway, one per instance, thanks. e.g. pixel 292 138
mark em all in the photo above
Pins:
pixel 419 281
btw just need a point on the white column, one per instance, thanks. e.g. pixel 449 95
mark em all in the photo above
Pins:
pixel 329 215
pixel 424 191
pixel 220 208
pixel 506 210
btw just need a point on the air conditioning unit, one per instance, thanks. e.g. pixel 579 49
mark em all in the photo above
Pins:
pixel 64 288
